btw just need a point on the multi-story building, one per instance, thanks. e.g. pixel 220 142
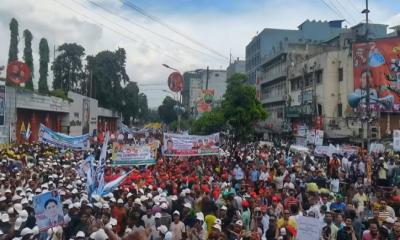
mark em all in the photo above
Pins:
pixel 238 66
pixel 197 80
pixel 319 86
pixel 270 41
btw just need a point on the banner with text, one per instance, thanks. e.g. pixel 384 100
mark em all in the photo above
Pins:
pixel 61 140
pixel 124 154
pixel 190 145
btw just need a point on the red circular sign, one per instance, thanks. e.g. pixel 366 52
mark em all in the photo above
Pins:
pixel 18 72
pixel 175 82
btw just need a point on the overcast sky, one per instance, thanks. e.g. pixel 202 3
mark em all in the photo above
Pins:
pixel 221 26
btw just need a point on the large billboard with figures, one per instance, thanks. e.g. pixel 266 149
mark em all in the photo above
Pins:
pixel 382 72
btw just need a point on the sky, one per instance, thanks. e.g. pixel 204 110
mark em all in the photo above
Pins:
pixel 210 30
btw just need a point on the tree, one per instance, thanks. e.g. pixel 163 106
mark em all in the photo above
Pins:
pixel 166 110
pixel 28 58
pixel 210 122
pixel 13 50
pixel 43 66
pixel 241 108
pixel 67 68
pixel 144 108
pixel 152 116
pixel 130 102
pixel 108 72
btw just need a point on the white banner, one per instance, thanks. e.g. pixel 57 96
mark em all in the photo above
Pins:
pixel 319 137
pixel 396 140
pixel 190 145
pixel 308 228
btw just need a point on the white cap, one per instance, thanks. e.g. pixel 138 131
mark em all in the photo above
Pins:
pixel 200 217
pixel 217 226
pixel 164 206
pixel 26 231
pixel 80 234
pixel 162 229
pixel 23 215
pixel 168 236
pixel 176 212
pixel 239 222
pixel 5 218
pixel 187 205
pixel 24 201
pixel 35 230
pixel 157 215
pixel 120 201
pixel 389 220
pixel 99 235
pixel 18 207
pixel 129 195
pixel 224 208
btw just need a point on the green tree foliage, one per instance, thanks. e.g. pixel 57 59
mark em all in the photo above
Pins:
pixel 43 66
pixel 13 50
pixel 67 67
pixel 210 122
pixel 166 110
pixel 28 58
pixel 241 108
pixel 130 102
pixel 152 116
pixel 108 73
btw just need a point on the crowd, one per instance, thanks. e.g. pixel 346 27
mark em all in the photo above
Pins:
pixel 247 192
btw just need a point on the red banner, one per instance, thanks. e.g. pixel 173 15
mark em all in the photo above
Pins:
pixel 383 72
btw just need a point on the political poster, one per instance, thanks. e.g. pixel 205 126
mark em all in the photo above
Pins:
pixel 48 210
pixel 396 140
pixel 190 145
pixel 61 140
pixel 378 63
pixel 319 137
pixel 134 155
pixel 204 104
pixel 308 228
pixel 311 136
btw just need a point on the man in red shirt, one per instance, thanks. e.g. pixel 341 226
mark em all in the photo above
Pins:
pixel 372 233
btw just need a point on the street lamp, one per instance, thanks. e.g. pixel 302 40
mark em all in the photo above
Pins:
pixel 167 66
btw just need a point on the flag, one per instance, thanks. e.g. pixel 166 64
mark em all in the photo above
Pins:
pixel 99 174
pixel 109 187
pixel 86 169
pixel 28 132
pixel 22 130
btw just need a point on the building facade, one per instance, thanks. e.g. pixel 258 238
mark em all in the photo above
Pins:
pixel 238 66
pixel 270 42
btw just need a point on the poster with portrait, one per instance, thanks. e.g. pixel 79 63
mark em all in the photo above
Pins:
pixel 48 210
pixel 85 116
pixel 376 64
pixel 190 145
pixel 2 104
pixel 133 155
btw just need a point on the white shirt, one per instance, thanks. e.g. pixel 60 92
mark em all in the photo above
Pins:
pixel 264 176
pixel 177 230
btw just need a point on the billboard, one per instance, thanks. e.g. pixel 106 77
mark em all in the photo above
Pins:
pixel 124 154
pixel 190 145
pixel 205 102
pixel 383 70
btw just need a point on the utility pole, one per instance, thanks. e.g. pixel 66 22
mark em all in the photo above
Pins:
pixel 207 77
pixel 367 98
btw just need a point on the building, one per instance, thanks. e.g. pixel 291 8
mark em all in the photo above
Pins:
pixel 75 115
pixel 319 86
pixel 271 41
pixel 198 80
pixel 238 66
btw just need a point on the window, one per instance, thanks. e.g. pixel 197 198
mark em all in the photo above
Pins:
pixel 340 74
pixel 319 110
pixel 279 113
pixel 319 76
pixel 216 75
pixel 339 110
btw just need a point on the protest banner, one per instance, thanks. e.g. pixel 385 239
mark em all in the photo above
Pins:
pixel 124 154
pixel 61 140
pixel 48 210
pixel 319 137
pixel 190 145
pixel 396 140
pixel 308 228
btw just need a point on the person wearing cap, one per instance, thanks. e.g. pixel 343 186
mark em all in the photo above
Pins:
pixel 177 227
pixel 166 218
pixel 148 218
pixel 197 232
pixel 119 212
pixel 338 204
pixel 387 228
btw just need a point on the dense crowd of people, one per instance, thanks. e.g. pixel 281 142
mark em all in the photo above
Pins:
pixel 249 191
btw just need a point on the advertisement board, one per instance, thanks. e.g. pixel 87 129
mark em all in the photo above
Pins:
pixel 205 102
pixel 190 145
pixel 383 72
pixel 124 154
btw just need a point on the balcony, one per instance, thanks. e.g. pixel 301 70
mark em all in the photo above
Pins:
pixel 270 76
pixel 270 99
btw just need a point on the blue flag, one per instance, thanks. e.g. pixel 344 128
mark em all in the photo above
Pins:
pixel 109 187
pixel 99 174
